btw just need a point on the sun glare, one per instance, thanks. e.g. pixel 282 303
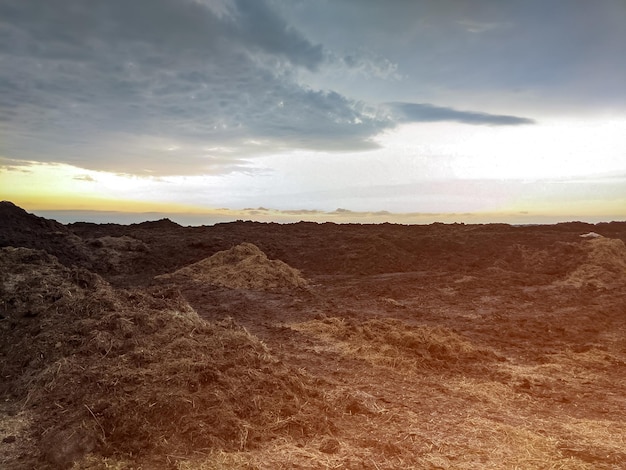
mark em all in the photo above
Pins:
pixel 551 149
pixel 65 187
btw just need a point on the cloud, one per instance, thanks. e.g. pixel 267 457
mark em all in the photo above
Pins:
pixel 302 212
pixel 84 178
pixel 10 165
pixel 112 85
pixel 364 64
pixel 421 112
pixel 181 87
pixel 478 27
pixel 259 26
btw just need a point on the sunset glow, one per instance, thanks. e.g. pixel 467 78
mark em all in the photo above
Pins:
pixel 304 108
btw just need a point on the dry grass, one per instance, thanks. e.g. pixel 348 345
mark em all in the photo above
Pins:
pixel 487 444
pixel 244 266
pixel 604 267
pixel 594 440
pixel 14 438
pixel 135 379
pixel 501 445
pixel 396 344
pixel 130 373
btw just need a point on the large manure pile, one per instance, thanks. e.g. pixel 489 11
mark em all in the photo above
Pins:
pixel 19 228
pixel 604 264
pixel 136 373
pixel 244 266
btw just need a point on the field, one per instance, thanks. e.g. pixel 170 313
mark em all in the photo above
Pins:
pixel 157 346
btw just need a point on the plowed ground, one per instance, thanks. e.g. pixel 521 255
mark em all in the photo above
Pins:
pixel 427 347
pixel 446 370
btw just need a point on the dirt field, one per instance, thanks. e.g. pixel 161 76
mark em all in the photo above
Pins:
pixel 391 347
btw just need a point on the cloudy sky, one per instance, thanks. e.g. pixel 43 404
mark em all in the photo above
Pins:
pixel 345 110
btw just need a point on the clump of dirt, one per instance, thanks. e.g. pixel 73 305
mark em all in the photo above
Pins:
pixel 32 281
pixel 395 343
pixel 136 373
pixel 244 266
pixel 604 265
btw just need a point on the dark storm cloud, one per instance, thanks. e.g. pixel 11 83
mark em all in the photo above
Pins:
pixel 260 26
pixel 111 84
pixel 564 55
pixel 73 28
pixel 165 87
pixel 420 112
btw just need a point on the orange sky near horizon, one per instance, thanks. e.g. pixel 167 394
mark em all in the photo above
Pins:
pixel 344 111
pixel 73 192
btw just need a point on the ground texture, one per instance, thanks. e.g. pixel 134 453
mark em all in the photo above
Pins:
pixel 157 346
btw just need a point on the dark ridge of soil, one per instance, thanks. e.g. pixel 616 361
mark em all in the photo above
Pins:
pixel 161 224
pixel 324 249
pixel 425 346
pixel 313 248
pixel 20 228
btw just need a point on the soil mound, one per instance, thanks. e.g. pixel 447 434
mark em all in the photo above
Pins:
pixel 556 259
pixel 161 224
pixel 19 228
pixel 603 267
pixel 244 266
pixel 130 373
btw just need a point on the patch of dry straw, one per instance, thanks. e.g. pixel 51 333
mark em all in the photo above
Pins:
pixel 138 373
pixel 603 267
pixel 394 343
pixel 244 266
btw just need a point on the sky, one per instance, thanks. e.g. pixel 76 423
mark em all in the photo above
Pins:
pixel 325 110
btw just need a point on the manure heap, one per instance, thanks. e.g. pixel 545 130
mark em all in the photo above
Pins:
pixel 604 266
pixel 130 374
pixel 244 266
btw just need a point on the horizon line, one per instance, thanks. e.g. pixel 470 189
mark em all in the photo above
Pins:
pixel 339 216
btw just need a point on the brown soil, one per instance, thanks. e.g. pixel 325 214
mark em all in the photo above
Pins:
pixel 137 372
pixel 242 267
pixel 604 266
pixel 437 347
